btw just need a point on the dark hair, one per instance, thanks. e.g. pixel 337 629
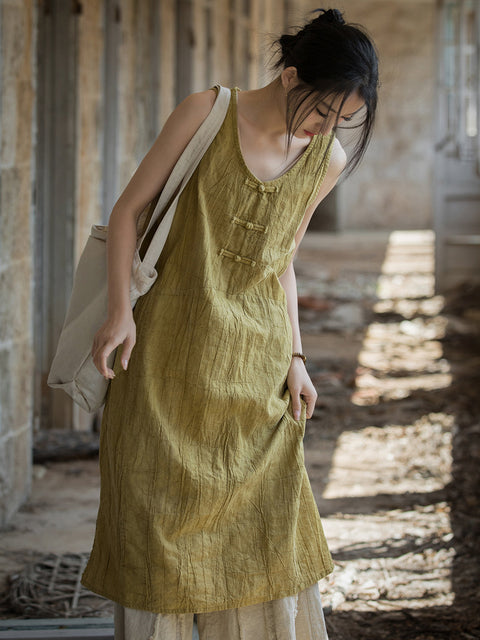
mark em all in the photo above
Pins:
pixel 333 60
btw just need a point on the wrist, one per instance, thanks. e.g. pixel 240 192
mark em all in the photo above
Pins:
pixel 119 311
pixel 298 355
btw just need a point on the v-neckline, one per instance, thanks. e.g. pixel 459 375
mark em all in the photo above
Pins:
pixel 236 134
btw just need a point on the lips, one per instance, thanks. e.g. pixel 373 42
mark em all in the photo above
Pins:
pixel 308 133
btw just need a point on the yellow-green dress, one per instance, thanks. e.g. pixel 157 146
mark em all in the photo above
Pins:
pixel 205 501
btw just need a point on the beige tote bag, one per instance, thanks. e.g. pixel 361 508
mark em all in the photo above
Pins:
pixel 72 368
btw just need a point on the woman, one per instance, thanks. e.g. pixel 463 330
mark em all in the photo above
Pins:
pixel 205 503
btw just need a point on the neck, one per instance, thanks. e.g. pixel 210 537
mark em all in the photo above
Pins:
pixel 265 108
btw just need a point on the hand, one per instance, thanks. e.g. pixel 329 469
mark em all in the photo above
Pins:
pixel 299 384
pixel 116 330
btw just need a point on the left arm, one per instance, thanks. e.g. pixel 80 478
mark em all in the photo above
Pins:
pixel 298 380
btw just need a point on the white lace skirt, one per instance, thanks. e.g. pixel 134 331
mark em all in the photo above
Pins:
pixel 298 617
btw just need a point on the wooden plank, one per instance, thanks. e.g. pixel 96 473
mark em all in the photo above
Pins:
pixel 24 624
pixel 67 628
pixel 67 634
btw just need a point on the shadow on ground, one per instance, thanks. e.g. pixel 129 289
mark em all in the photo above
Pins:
pixel 393 450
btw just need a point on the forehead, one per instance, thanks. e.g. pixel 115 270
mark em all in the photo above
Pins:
pixel 353 103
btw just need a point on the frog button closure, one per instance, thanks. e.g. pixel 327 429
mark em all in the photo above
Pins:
pixel 235 257
pixel 260 187
pixel 249 225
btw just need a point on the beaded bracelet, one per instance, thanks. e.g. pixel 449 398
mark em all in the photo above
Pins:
pixel 300 355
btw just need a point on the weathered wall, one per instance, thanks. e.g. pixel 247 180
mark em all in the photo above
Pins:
pixel 216 46
pixel 392 189
pixel 137 87
pixel 90 123
pixel 17 123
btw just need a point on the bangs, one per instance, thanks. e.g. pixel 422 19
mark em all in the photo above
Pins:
pixel 303 99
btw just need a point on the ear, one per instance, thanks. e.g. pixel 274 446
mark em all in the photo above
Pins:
pixel 289 77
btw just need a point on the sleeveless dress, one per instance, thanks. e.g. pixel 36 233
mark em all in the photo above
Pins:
pixel 205 502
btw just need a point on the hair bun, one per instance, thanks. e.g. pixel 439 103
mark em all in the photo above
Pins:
pixel 286 42
pixel 334 16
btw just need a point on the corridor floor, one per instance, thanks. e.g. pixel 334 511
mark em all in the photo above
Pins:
pixel 392 451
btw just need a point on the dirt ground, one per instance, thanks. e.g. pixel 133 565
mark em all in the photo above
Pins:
pixel 392 451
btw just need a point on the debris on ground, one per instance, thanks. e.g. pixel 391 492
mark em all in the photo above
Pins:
pixel 61 445
pixel 50 588
pixel 392 450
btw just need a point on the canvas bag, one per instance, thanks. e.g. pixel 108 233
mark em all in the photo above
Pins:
pixel 72 368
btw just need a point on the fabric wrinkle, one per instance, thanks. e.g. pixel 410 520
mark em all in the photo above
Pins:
pixel 205 501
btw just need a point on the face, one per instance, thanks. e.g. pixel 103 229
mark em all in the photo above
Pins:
pixel 327 115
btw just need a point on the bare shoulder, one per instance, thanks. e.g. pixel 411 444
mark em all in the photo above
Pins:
pixel 196 107
pixel 202 99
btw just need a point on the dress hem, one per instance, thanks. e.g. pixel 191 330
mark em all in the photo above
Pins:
pixel 221 606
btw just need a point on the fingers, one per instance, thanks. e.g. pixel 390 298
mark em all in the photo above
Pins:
pixel 301 389
pixel 113 333
pixel 296 404
pixel 127 351
pixel 100 356
pixel 310 400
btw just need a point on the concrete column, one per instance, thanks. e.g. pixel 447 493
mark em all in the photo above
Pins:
pixel 17 170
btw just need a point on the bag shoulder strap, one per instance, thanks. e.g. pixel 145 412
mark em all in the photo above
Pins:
pixel 183 170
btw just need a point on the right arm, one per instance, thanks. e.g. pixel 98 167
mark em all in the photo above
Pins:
pixel 149 178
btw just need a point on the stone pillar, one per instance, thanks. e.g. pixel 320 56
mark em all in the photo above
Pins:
pixel 17 167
